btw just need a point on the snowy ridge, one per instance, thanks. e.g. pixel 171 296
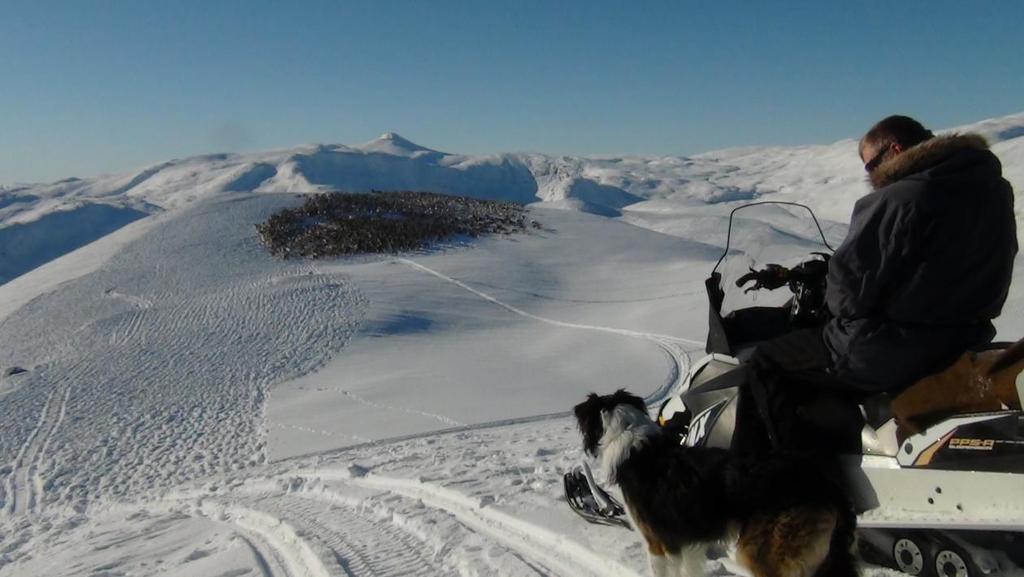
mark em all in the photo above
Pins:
pixel 829 177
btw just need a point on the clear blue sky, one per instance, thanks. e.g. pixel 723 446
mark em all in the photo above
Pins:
pixel 89 86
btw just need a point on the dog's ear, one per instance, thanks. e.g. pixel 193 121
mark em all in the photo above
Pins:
pixel 581 410
pixel 588 419
pixel 623 397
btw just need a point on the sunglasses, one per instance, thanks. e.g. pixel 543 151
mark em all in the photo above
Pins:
pixel 872 164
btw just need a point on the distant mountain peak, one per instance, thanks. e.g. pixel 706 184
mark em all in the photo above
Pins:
pixel 395 144
pixel 396 140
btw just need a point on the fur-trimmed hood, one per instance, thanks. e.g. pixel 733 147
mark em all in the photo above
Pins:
pixel 924 156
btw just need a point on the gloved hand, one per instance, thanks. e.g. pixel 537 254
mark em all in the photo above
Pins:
pixel 771 277
pixel 809 271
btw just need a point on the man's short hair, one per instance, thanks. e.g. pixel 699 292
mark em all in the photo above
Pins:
pixel 902 130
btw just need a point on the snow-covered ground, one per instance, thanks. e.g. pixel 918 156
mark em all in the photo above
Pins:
pixel 192 406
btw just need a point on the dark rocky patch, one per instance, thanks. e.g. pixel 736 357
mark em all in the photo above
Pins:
pixel 340 224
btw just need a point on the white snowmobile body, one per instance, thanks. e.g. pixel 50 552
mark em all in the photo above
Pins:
pixel 949 499
pixel 967 470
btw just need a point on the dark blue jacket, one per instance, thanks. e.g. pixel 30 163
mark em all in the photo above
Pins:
pixel 925 267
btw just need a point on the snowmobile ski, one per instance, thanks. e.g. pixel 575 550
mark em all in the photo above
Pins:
pixel 590 501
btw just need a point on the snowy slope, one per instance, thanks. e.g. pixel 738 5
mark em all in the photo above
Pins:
pixel 174 342
pixel 192 406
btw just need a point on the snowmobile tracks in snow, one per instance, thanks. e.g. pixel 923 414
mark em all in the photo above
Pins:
pixel 182 403
pixel 393 409
pixel 328 523
pixel 23 486
pixel 528 548
pixel 670 344
pixel 674 348
pixel 321 540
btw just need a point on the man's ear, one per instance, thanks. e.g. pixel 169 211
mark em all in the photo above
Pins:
pixel 895 147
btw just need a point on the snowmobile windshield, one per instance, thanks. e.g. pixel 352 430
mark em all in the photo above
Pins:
pixel 760 236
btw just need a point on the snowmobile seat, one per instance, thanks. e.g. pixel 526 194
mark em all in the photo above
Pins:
pixel 963 387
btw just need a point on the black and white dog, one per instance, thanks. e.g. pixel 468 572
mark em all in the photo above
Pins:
pixel 787 516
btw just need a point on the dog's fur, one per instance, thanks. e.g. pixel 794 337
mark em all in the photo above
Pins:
pixel 787 515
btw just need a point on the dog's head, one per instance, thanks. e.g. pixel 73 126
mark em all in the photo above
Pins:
pixel 591 415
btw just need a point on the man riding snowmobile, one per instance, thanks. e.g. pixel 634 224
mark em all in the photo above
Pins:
pixel 937 463
pixel 924 269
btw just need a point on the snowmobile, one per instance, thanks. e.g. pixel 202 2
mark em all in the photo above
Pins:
pixel 942 493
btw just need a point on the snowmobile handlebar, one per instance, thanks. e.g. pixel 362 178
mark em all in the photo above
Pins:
pixel 773 276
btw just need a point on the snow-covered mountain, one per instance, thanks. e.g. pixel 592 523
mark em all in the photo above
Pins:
pixel 191 406
pixel 40 222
